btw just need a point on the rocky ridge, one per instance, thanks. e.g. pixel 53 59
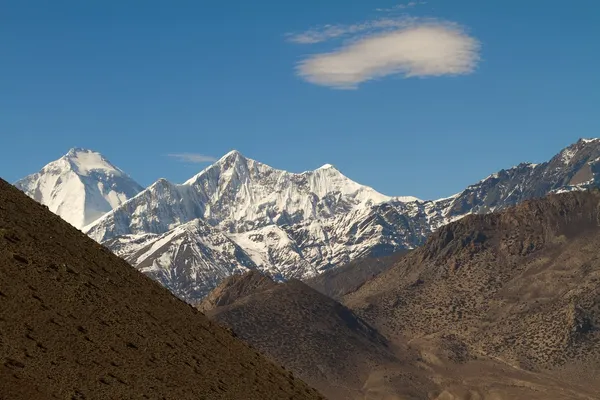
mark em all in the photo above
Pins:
pixel 301 225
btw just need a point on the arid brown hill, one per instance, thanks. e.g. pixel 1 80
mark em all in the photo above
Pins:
pixel 340 281
pixel 322 341
pixel 76 322
pixel 234 288
pixel 521 286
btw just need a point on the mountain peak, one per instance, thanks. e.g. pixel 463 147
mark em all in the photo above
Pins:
pixel 83 161
pixel 582 149
pixel 327 166
pixel 582 143
pixel 76 150
pixel 328 170
pixel 80 187
pixel 590 140
pixel 233 152
pixel 232 155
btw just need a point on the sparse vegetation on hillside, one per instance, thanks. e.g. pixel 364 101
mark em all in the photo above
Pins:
pixel 76 322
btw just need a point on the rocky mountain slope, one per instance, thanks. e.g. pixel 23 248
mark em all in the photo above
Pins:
pixel 501 306
pixel 338 282
pixel 235 288
pixel 80 187
pixel 575 168
pixel 188 260
pixel 77 322
pixel 521 286
pixel 290 225
pixel 317 338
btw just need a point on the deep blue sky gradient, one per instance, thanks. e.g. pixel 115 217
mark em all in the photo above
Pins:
pixel 137 80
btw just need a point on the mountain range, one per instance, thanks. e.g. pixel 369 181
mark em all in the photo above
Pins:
pixel 499 306
pixel 239 214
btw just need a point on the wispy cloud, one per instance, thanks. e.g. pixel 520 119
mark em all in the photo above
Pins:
pixel 407 47
pixel 328 32
pixel 399 7
pixel 194 158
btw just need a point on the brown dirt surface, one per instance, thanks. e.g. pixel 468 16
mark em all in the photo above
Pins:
pixel 520 288
pixel 314 336
pixel 76 322
pixel 234 288
pixel 338 282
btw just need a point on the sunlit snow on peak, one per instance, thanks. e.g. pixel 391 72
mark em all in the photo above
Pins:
pixel 231 154
pixel 326 166
pixel 80 187
pixel 84 161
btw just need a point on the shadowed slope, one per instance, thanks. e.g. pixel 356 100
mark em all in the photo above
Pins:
pixel 340 281
pixel 312 335
pixel 76 322
pixel 234 288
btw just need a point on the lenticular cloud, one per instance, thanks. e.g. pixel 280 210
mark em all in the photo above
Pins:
pixel 417 50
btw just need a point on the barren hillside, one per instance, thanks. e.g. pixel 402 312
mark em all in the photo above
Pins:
pixel 76 322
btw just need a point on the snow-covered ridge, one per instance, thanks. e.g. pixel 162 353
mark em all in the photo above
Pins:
pixel 239 213
pixel 80 187
pixel 326 166
pixel 298 225
pixel 84 162
pixel 237 194
pixel 325 179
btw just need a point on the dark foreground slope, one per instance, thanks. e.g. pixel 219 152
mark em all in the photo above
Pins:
pixel 76 322
pixel 322 341
pixel 521 287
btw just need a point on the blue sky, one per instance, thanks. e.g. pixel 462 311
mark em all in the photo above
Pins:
pixel 409 98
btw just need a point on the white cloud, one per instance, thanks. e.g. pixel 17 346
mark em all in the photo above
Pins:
pixel 192 157
pixel 415 48
pixel 328 32
pixel 399 7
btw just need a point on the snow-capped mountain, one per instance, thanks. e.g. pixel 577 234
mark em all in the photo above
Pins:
pixel 298 225
pixel 237 194
pixel 575 168
pixel 80 187
pixel 285 223
pixel 188 260
pixel 240 214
